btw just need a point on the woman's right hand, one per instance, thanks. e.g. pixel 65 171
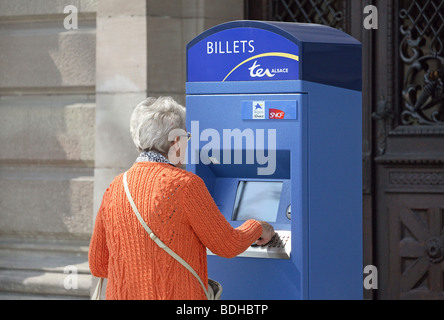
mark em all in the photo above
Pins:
pixel 267 233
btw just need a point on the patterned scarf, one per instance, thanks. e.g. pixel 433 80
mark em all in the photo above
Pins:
pixel 152 156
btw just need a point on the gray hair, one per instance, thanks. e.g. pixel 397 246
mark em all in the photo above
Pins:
pixel 153 120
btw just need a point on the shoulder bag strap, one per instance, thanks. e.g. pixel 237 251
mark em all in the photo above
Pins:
pixel 158 241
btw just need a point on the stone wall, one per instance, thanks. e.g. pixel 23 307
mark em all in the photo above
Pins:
pixel 66 97
pixel 47 115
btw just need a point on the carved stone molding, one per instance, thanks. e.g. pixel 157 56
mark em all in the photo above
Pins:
pixel 397 160
pixel 416 178
pixel 417 131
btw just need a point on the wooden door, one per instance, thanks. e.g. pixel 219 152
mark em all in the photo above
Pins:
pixel 409 153
pixel 403 133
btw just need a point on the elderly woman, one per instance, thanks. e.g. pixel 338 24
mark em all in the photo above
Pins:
pixel 178 208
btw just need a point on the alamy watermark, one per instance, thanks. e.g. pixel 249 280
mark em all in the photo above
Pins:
pixel 371 20
pixel 71 281
pixel 71 20
pixel 227 149
pixel 371 277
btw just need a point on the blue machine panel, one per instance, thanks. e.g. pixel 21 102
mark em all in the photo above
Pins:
pixel 275 113
pixel 275 51
pixel 240 152
pixel 241 55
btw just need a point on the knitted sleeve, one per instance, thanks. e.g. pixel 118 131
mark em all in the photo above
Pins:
pixel 210 225
pixel 98 251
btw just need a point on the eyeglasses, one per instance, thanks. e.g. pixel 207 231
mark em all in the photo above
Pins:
pixel 188 136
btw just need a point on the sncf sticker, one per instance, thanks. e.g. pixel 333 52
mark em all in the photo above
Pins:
pixel 276 114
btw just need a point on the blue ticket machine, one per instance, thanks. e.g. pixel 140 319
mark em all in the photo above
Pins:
pixel 274 110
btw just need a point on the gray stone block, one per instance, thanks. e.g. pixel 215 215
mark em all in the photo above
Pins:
pixel 46 55
pixel 170 8
pixel 42 283
pixel 113 8
pixel 53 129
pixel 114 146
pixel 165 52
pixel 121 54
pixel 225 10
pixel 46 201
pixel 11 8
pixel 213 9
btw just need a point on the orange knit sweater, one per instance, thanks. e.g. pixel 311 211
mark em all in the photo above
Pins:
pixel 181 212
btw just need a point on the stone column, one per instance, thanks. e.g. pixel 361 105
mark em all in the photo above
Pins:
pixel 121 83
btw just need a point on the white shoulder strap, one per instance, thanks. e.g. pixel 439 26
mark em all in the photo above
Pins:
pixel 159 242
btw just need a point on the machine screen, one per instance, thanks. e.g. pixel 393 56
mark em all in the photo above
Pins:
pixel 257 200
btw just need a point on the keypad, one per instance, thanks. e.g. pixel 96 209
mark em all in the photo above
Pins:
pixel 278 241
pixel 279 247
